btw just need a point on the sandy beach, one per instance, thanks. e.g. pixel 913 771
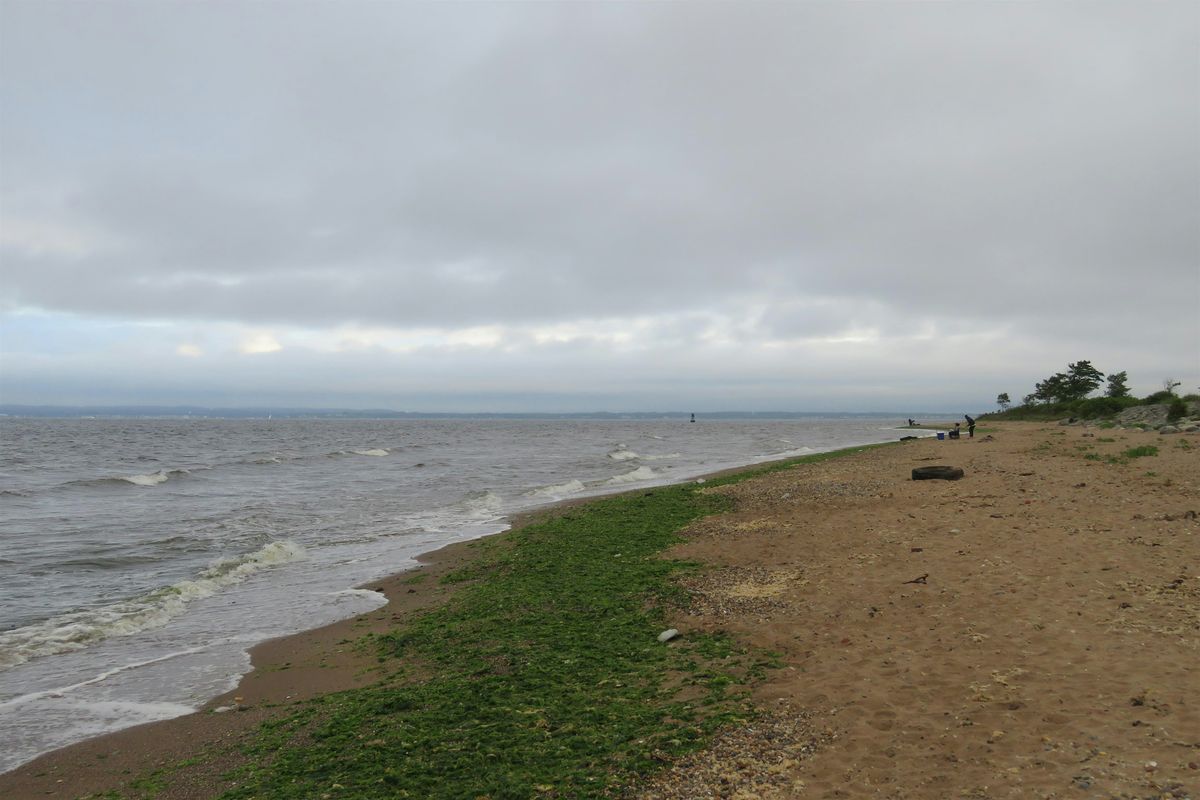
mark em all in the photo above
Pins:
pixel 1031 630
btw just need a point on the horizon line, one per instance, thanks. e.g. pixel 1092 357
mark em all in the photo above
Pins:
pixel 184 409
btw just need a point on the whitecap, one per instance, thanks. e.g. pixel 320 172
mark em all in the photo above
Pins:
pixel 639 474
pixel 557 490
pixel 152 479
pixel 377 452
pixel 623 454
pixel 78 629
pixel 484 504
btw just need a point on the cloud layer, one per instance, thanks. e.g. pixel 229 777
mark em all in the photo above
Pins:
pixel 779 204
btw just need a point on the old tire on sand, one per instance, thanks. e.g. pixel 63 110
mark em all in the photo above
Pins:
pixel 941 473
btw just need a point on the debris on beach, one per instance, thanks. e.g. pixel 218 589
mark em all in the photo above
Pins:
pixel 940 472
pixel 668 635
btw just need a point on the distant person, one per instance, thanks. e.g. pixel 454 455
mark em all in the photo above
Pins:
pixel 970 426
pixel 957 432
pixel 912 423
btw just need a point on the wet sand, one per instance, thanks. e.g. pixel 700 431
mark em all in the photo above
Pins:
pixel 1032 630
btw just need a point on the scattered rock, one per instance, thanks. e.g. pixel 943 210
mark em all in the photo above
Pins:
pixel 1144 415
pixel 668 635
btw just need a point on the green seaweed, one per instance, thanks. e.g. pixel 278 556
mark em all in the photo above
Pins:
pixel 542 675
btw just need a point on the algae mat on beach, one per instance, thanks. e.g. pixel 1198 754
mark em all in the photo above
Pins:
pixel 542 677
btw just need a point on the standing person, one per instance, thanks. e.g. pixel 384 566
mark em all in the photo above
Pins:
pixel 970 426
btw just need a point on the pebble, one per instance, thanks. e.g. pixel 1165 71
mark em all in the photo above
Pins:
pixel 668 635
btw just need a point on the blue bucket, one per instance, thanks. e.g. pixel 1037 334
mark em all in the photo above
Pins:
pixel 941 435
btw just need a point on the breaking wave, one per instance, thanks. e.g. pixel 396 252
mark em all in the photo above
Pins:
pixel 639 474
pixel 152 479
pixel 622 453
pixel 481 505
pixel 556 490
pixel 377 452
pixel 144 480
pixel 77 629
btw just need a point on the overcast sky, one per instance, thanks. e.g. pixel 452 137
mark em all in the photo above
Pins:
pixel 609 206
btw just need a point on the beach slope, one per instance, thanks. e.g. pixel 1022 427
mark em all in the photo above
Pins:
pixel 1030 630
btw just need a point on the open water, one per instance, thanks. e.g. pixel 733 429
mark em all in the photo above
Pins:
pixel 141 558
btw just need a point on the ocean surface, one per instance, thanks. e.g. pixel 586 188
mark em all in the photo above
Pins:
pixel 141 558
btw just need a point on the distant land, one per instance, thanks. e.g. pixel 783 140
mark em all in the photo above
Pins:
pixel 201 412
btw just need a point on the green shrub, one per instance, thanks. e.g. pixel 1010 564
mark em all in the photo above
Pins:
pixel 1177 410
pixel 1158 398
pixel 1091 408
pixel 1102 406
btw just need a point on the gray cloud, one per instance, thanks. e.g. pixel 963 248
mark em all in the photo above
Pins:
pixel 804 170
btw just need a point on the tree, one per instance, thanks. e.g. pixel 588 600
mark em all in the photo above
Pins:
pixel 1052 389
pixel 1082 380
pixel 1169 384
pixel 1003 401
pixel 1116 384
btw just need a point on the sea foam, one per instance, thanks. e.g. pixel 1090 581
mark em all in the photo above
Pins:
pixel 639 474
pixel 481 505
pixel 77 629
pixel 556 490
pixel 147 480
